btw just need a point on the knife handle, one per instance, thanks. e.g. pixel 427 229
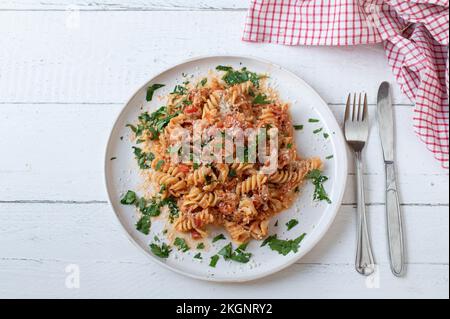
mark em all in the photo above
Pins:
pixel 394 223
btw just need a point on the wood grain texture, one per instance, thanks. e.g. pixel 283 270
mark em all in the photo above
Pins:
pixel 59 151
pixel 64 76
pixel 118 5
pixel 106 56
pixel 39 240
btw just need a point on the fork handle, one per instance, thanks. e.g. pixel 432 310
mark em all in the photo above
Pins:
pixel 394 223
pixel 364 263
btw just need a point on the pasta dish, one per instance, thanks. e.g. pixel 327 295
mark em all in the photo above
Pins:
pixel 220 152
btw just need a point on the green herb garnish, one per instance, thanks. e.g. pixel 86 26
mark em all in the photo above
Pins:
pixel 203 82
pixel 201 246
pixel 289 146
pixel 261 99
pixel 132 127
pixel 129 198
pixel 291 224
pixel 318 179
pixel 313 120
pixel 268 239
pixel 218 237
pixel 224 68
pixel 242 246
pixel 284 247
pixel 214 260
pixel 318 130
pixel 162 251
pixel 226 251
pixel 329 157
pixel 326 135
pixel 173 207
pixel 144 224
pixel 298 127
pixel 241 256
pixel 181 244
pixel 151 90
pixel 143 159
pixel 179 90
pixel 233 77
pixel 198 256
pixel 159 165
pixel 232 173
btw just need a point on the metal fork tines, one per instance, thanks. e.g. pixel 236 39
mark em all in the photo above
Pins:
pixel 356 130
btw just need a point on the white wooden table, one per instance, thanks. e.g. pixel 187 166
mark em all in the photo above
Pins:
pixel 65 75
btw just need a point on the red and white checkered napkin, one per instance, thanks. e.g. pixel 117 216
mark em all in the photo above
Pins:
pixel 415 35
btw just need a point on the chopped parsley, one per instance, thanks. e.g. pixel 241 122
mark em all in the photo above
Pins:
pixel 163 188
pixel 298 127
pixel 318 130
pixel 218 237
pixel 261 99
pixel 226 251
pixel 195 165
pixel 162 251
pixel 198 256
pixel 326 135
pixel 179 90
pixel 203 82
pixel 268 239
pixel 113 158
pixel 151 90
pixel 214 260
pixel 276 224
pixel 144 224
pixel 284 247
pixel 132 127
pixel 313 120
pixel 241 256
pixel 329 157
pixel 149 208
pixel 224 68
pixel 233 77
pixel 291 224
pixel 173 207
pixel 159 165
pixel 129 198
pixel 181 244
pixel 318 179
pixel 143 159
pixel 153 123
pixel 289 146
pixel 243 246
pixel 201 246
pixel 232 173
pixel 238 255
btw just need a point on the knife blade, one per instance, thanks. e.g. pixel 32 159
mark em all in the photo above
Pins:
pixel 386 121
pixel 393 213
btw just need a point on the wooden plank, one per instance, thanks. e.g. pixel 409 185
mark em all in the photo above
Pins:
pixel 46 279
pixel 150 5
pixel 91 233
pixel 103 57
pixel 56 153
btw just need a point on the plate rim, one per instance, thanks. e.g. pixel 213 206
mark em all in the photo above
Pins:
pixel 343 172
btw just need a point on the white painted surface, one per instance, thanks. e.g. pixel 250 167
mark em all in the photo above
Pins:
pixel 62 83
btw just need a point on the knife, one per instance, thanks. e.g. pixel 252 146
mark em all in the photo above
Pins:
pixel 393 212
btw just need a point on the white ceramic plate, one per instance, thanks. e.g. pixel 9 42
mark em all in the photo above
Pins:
pixel 315 218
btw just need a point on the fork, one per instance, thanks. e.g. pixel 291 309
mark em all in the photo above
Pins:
pixel 356 130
